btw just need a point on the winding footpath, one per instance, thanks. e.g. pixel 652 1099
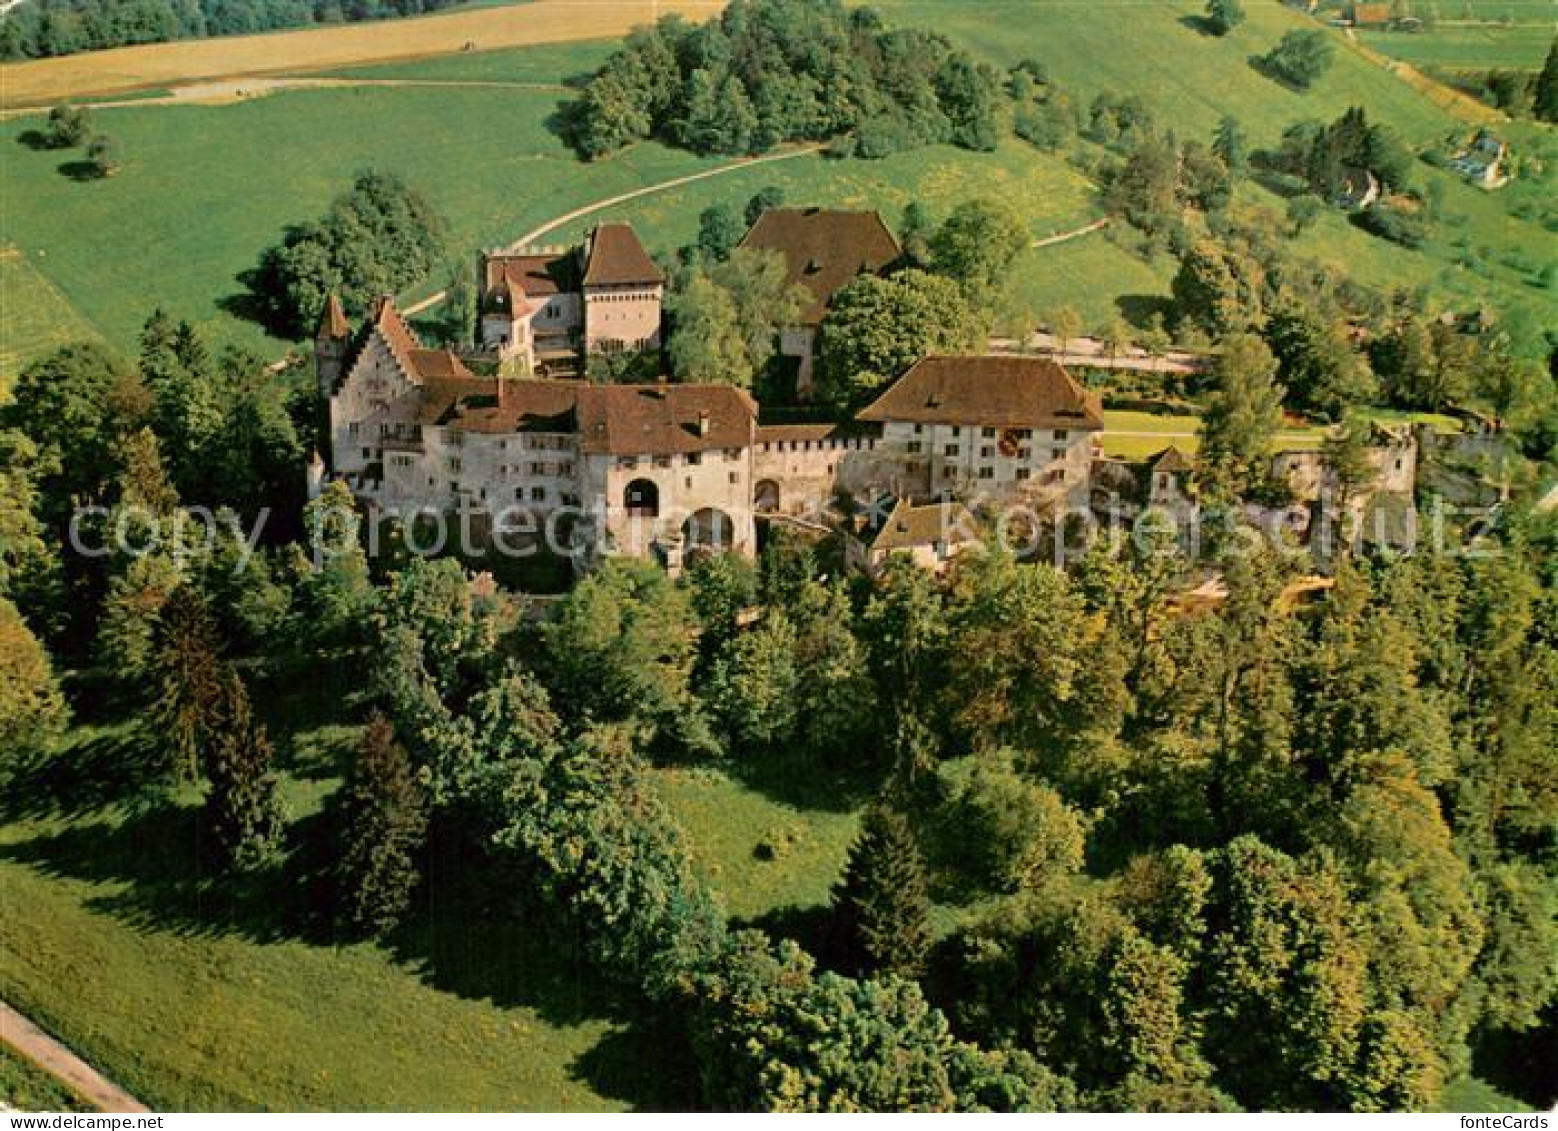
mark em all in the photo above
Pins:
pixel 31 1042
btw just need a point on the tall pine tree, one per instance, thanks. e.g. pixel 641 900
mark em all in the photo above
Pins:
pixel 880 906
pixel 385 826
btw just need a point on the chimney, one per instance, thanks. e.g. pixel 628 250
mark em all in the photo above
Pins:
pixel 703 423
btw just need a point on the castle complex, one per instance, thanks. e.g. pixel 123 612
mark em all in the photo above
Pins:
pixel 663 469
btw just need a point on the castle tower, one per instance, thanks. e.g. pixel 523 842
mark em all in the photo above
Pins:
pixel 330 345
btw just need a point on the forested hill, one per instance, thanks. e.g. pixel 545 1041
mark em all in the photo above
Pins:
pixel 40 29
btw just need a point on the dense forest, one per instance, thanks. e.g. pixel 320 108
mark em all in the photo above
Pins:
pixel 769 71
pixel 38 29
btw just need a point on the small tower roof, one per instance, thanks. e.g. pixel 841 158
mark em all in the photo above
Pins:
pixel 332 321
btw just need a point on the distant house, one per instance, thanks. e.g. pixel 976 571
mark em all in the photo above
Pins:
pixel 1357 189
pixel 824 250
pixel 1170 484
pixel 1482 162
pixel 540 306
pixel 931 535
pixel 1370 15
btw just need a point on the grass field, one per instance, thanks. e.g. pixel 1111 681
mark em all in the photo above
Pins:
pixel 34 315
pixel 1459 48
pixel 762 855
pixel 25 1087
pixel 201 194
pixel 43 81
pixel 197 992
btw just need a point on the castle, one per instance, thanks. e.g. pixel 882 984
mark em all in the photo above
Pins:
pixel 663 470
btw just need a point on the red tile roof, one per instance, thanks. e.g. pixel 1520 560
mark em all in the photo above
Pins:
pixel 664 419
pixel 989 391
pixel 823 249
pixel 616 258
pixel 631 420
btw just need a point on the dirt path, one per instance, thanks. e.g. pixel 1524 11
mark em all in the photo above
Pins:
pixel 161 65
pixel 64 1065
pixel 241 90
pixel 648 190
pixel 1074 233
pixel 552 225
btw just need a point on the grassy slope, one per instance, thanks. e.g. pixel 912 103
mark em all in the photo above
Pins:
pixel 205 191
pixel 1484 48
pixel 198 993
pixel 33 314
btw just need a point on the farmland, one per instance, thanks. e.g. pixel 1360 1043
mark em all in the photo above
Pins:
pixel 43 81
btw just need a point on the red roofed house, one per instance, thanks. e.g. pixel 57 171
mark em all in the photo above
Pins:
pixel 824 251
pixel 996 428
pixel 541 306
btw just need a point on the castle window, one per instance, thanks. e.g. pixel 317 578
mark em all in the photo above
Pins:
pixel 538 493
pixel 951 449
pixel 987 452
pixel 352 430
pixel 662 461
pixel 987 433
pixel 1024 453
pixel 987 473
pixel 735 477
pixel 914 447
pixel 1060 433
pixel 694 458
pixel 1023 473
pixel 957 431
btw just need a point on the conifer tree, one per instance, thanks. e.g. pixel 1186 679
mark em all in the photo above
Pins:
pixel 880 906
pixel 243 808
pixel 386 824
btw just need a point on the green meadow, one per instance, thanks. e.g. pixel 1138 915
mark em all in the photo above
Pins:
pixel 1481 48
pixel 207 188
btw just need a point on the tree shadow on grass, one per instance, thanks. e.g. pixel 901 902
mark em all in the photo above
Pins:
pixel 804 780
pixel 170 880
pixel 1198 24
pixel 97 766
pixel 1139 309
pixel 83 172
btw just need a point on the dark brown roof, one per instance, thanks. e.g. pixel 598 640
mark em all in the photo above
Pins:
pixel 824 249
pixel 502 405
pixel 991 391
pixel 332 320
pixel 630 420
pixel 509 280
pixel 616 258
pixel 909 526
pixel 1171 459
pixel 664 419
pixel 438 364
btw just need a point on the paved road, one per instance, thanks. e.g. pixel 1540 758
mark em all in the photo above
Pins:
pixel 64 1065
